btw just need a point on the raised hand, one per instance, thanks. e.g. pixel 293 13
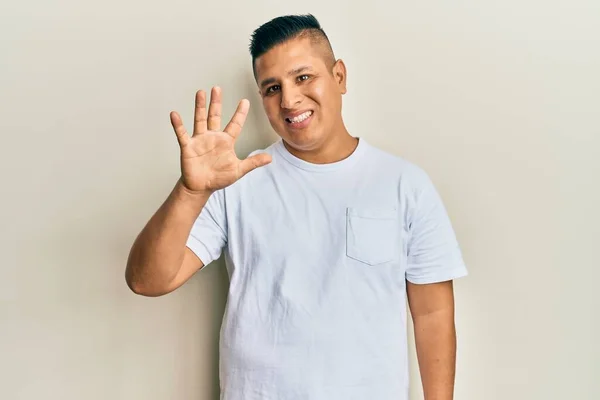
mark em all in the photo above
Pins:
pixel 208 159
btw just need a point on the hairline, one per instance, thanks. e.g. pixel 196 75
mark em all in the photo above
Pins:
pixel 317 38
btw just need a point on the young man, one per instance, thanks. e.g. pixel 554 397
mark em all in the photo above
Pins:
pixel 324 238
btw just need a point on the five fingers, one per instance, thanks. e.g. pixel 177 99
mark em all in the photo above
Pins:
pixel 211 120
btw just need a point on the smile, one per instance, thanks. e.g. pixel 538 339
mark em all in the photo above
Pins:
pixel 299 118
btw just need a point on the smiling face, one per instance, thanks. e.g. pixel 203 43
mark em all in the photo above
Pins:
pixel 301 88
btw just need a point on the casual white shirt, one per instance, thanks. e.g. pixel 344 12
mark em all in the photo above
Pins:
pixel 318 256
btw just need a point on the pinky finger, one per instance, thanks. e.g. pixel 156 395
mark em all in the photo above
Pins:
pixel 182 135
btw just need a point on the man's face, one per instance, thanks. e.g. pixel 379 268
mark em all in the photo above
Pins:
pixel 301 92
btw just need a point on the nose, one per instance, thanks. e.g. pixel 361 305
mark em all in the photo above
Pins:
pixel 290 96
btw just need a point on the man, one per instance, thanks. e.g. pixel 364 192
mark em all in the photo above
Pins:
pixel 324 238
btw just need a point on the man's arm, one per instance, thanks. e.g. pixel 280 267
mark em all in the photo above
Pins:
pixel 159 261
pixel 432 310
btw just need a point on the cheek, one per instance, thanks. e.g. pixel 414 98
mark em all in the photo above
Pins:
pixel 318 92
pixel 271 108
pixel 322 94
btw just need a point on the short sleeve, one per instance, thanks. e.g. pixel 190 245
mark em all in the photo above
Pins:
pixel 433 252
pixel 208 235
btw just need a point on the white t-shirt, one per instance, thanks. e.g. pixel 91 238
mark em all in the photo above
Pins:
pixel 317 257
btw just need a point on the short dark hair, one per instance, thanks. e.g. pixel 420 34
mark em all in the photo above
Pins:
pixel 284 28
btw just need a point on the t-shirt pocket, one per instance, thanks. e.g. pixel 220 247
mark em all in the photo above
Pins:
pixel 372 234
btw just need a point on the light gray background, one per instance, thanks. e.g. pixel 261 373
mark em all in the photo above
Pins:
pixel 498 101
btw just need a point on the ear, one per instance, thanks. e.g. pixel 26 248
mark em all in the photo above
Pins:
pixel 339 74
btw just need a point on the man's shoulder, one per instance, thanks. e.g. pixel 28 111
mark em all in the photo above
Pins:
pixel 396 165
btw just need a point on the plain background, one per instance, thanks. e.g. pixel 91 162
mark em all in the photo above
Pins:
pixel 497 101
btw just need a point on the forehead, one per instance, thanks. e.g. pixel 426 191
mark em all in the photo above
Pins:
pixel 288 56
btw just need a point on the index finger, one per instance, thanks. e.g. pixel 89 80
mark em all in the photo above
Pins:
pixel 234 127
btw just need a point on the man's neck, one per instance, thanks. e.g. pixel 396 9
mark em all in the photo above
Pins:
pixel 335 149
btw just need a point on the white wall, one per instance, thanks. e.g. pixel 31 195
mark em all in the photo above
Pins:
pixel 498 101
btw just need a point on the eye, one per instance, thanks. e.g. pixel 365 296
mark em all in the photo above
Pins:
pixel 303 77
pixel 272 89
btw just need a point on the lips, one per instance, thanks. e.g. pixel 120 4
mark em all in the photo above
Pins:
pixel 299 118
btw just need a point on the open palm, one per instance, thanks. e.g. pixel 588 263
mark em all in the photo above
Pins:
pixel 208 159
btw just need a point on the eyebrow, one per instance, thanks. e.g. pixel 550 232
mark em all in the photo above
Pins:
pixel 295 71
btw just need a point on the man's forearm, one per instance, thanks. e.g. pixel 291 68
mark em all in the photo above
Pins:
pixel 157 253
pixel 435 339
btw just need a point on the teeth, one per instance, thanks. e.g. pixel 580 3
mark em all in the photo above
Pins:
pixel 300 117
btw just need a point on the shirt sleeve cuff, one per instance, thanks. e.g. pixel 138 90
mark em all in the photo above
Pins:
pixel 444 275
pixel 201 251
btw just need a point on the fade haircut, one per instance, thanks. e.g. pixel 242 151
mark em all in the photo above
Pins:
pixel 288 27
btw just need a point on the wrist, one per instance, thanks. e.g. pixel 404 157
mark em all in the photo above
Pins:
pixel 195 198
pixel 181 187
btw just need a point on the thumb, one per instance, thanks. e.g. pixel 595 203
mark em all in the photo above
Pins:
pixel 253 162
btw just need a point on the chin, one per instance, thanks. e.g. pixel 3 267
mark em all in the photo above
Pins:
pixel 303 140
